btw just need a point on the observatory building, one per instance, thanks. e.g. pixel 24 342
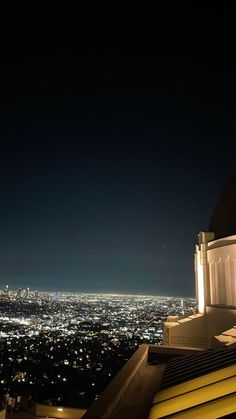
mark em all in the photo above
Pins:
pixel 215 279
pixel 193 374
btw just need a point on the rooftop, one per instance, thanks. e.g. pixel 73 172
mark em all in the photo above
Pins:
pixel 142 376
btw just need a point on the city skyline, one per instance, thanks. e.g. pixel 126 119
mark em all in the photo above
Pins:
pixel 53 291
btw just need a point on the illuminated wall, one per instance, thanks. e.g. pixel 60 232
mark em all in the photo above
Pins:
pixel 190 331
pixel 215 271
pixel 222 275
pixel 202 271
pixel 215 281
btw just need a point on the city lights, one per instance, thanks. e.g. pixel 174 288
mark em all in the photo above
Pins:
pixel 77 341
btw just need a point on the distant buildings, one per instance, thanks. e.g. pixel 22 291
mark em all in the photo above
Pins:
pixel 75 342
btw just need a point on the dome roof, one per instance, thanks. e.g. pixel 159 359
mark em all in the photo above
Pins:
pixel 223 220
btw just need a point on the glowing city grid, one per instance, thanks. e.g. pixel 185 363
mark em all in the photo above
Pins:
pixel 64 348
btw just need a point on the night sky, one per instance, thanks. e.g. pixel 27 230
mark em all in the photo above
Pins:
pixel 117 137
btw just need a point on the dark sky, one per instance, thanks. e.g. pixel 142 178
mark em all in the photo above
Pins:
pixel 117 136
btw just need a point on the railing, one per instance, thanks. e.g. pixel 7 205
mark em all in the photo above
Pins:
pixel 109 399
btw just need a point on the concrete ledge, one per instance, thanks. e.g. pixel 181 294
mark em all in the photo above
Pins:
pixel 109 399
pixel 58 412
pixel 173 350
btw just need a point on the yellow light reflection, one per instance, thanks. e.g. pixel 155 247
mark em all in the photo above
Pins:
pixel 196 383
pixel 193 398
pixel 201 299
pixel 212 410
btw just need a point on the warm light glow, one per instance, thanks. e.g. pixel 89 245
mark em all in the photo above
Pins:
pixel 201 299
pixel 223 407
pixel 60 409
pixel 194 399
pixel 196 383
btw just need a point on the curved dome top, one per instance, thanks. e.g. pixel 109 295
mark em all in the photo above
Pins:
pixel 223 220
